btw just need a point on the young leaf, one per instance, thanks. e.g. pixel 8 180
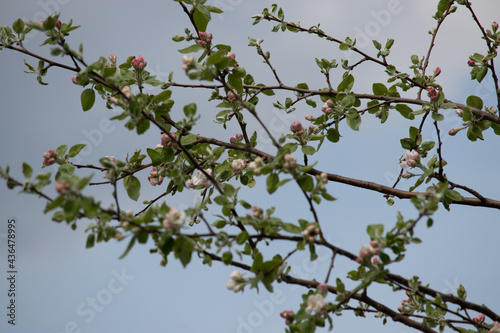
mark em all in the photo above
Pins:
pixel 88 99
pixel 75 150
pixel 132 186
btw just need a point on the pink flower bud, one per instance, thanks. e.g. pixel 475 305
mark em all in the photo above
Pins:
pixel 453 131
pixel 112 58
pixel 375 260
pixel 73 79
pixel 232 96
pixel 400 308
pixel 296 126
pixel 114 100
pixel 479 319
pixel 494 26
pixel 287 314
pixel 322 288
pixel 139 63
pixel 471 63
pixel 256 210
pixel 49 157
pixel 459 112
pixel 433 94
pixel 310 118
pixel 166 140
pixel 127 91
pixel 437 71
pixel 58 24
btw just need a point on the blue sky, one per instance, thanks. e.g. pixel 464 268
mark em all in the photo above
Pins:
pixel 64 288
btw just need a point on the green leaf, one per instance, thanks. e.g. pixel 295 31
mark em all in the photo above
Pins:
pixel 61 150
pixel 308 150
pixel 129 247
pixel 191 49
pixel 346 84
pixel 375 230
pixel 90 241
pixel 201 17
pixel 213 9
pixel 333 135
pixel 475 102
pixel 437 116
pixel 227 257
pixel 379 89
pixel 132 186
pixel 353 120
pixel 75 150
pixel 163 96
pixel 18 26
pixel 88 99
pixel 306 183
pixel 27 170
pixel 272 183
pixel 155 157
pixel 236 82
pixel 188 139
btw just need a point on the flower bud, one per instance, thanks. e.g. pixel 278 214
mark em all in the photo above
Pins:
pixel 73 79
pixel 437 71
pixel 58 24
pixel 494 26
pixel 459 112
pixel 310 117
pixel 296 126
pixel 471 63
pixel 49 157
pixel 433 94
pixel 453 131
pixel 479 319
pixel 139 63
pixel 127 91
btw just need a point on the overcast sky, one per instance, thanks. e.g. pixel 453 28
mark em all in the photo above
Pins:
pixel 62 287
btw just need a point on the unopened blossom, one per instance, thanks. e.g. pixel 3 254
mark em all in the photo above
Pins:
pixel 289 315
pixel 327 107
pixel 238 165
pixel 437 71
pixel 433 94
pixel 205 38
pixel 114 100
pixel 411 159
pixel 400 308
pixel 256 165
pixel 323 288
pixel 310 117
pixel 236 139
pixel 236 283
pixel 453 131
pixel 73 79
pixel 256 210
pixel 200 179
pixel 310 233
pixel 112 58
pixel 127 92
pixel 289 161
pixel 407 175
pixel 375 260
pixel 296 126
pixel 316 304
pixel 174 219
pixel 49 157
pixel 494 26
pixel 188 62
pixel 63 186
pixel 232 96
pixel 490 109
pixel 58 24
pixel 368 250
pixel 471 63
pixel 495 328
pixel 139 63
pixel 459 112
pixel 168 140
pixel 479 319
pixel 155 178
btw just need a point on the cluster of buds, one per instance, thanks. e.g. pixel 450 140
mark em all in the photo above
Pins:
pixel 236 139
pixel 49 157
pixel 310 233
pixel 368 251
pixel 288 315
pixel 257 211
pixel 238 165
pixel 412 159
pixel 316 304
pixel 167 140
pixel 174 219
pixel 256 165
pixel 232 96
pixel 205 39
pixel 139 63
pixel 290 161
pixel 188 62
pixel 296 127
pixel 63 186
pixel 490 109
pixel 406 303
pixel 237 282
pixel 433 94
pixel 327 107
pixel 155 178
pixel 200 179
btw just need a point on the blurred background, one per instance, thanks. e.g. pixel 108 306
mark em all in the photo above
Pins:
pixel 62 287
